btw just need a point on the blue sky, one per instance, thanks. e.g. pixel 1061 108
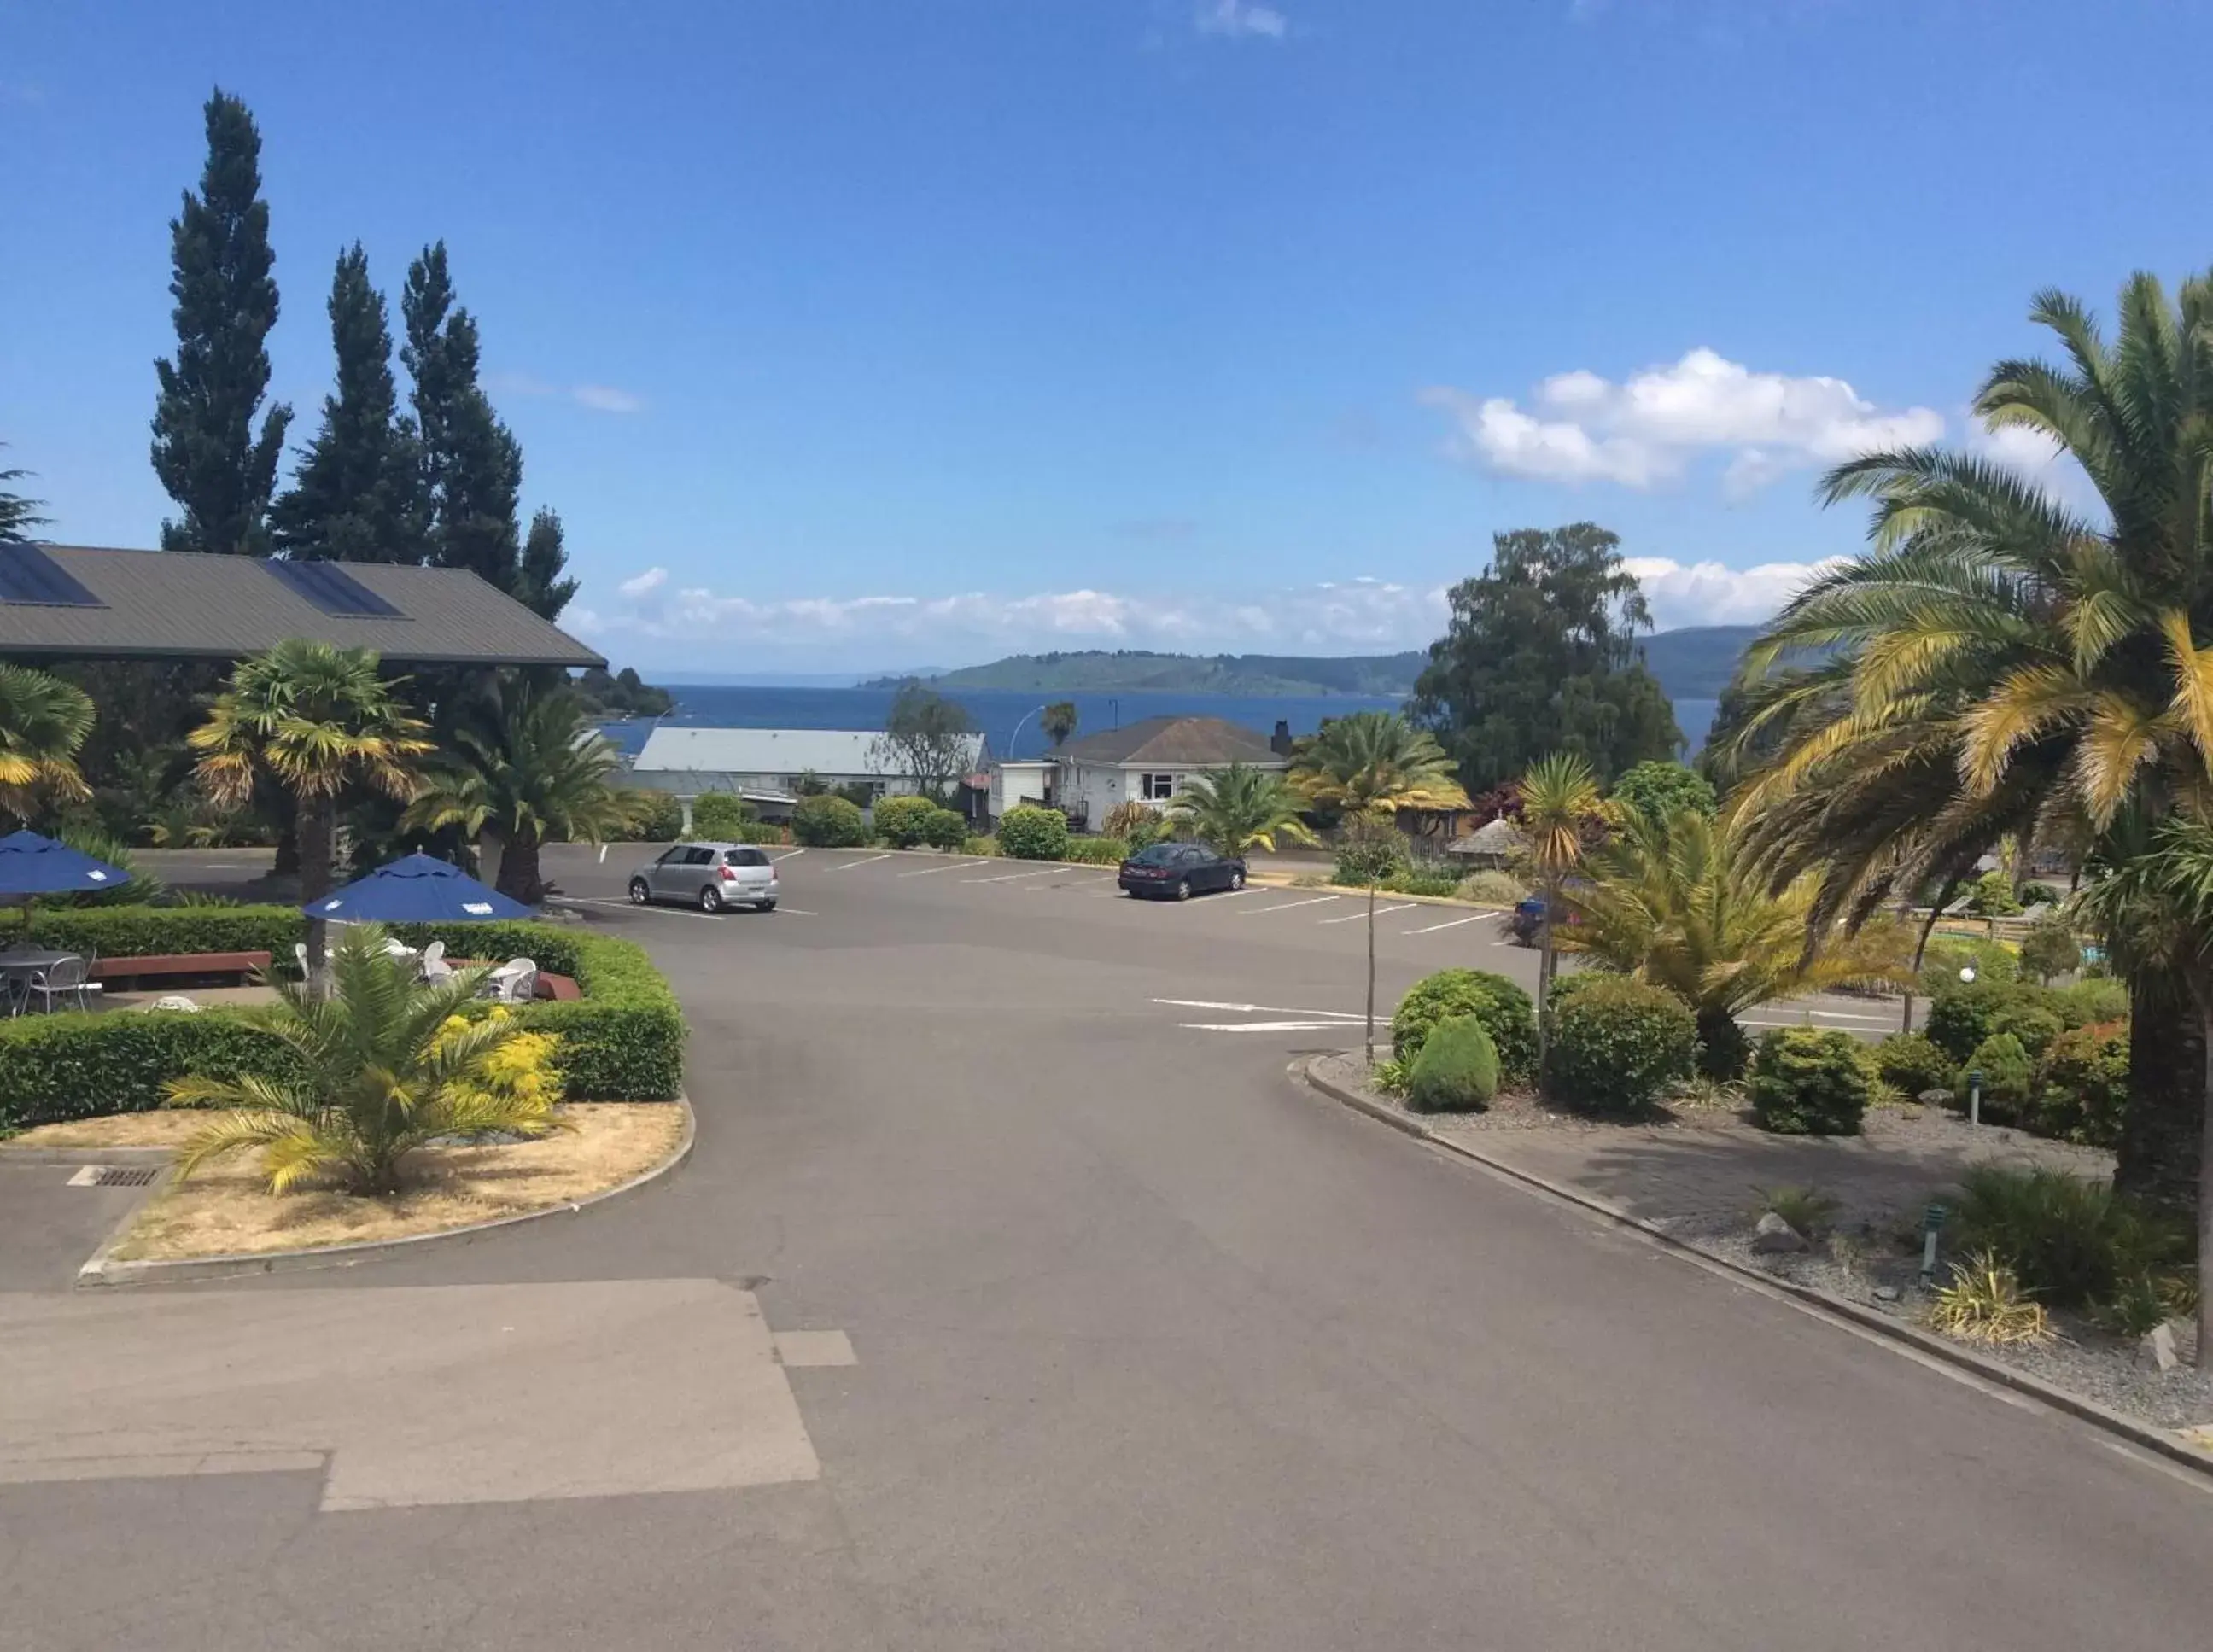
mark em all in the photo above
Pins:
pixel 867 334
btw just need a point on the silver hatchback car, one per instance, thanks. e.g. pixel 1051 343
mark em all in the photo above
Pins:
pixel 708 875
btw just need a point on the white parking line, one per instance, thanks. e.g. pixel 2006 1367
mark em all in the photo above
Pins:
pixel 1288 906
pixel 1455 924
pixel 788 855
pixel 632 907
pixel 953 866
pixel 1011 877
pixel 1354 917
pixel 847 866
pixel 1257 1008
pixel 795 911
pixel 1266 1027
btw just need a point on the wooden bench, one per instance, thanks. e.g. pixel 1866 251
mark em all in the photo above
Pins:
pixel 181 963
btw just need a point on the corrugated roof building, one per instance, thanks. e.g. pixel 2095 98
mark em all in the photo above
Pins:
pixel 84 602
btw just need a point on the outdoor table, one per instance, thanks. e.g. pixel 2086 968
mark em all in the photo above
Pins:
pixel 18 966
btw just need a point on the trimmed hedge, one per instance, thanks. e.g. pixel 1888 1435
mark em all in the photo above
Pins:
pixel 1618 1045
pixel 945 828
pixel 903 821
pixel 143 931
pixel 1457 1070
pixel 828 821
pixel 720 816
pixel 1500 1004
pixel 1908 1062
pixel 1809 1084
pixel 1029 833
pixel 623 1040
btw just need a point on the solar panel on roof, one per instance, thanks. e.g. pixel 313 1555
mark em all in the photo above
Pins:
pixel 29 576
pixel 333 591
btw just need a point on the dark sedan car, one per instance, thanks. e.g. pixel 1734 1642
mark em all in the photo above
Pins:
pixel 1178 871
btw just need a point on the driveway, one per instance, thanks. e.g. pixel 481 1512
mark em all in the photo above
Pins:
pixel 1152 1348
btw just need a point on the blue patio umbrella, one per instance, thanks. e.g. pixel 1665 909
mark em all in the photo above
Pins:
pixel 32 865
pixel 415 889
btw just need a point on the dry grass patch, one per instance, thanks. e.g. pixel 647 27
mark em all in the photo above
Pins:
pixel 225 1210
pixel 163 1129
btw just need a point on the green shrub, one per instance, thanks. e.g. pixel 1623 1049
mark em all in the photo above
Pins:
pixel 945 828
pixel 1961 1016
pixel 1911 1064
pixel 826 820
pixel 1457 1070
pixel 2083 1088
pixel 1437 885
pixel 721 816
pixel 660 820
pixel 763 832
pixel 1806 1082
pixel 1493 888
pixel 2050 948
pixel 1029 833
pixel 2031 1021
pixel 1370 852
pixel 84 1065
pixel 2074 1242
pixel 143 931
pixel 903 822
pixel 986 847
pixel 1095 851
pixel 2091 1002
pixel 1618 1045
pixel 1945 956
pixel 1807 1209
pixel 2008 1077
pixel 1992 896
pixel 1500 1004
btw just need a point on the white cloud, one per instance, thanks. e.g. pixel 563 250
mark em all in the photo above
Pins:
pixel 1708 594
pixel 1240 20
pixel 651 580
pixel 599 397
pixel 1651 427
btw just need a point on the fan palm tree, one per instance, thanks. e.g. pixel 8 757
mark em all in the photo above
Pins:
pixel 1237 809
pixel 1369 766
pixel 528 768
pixel 1674 901
pixel 315 719
pixel 1559 801
pixel 43 722
pixel 2002 662
pixel 382 1074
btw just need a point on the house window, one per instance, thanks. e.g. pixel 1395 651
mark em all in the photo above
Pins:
pixel 1156 788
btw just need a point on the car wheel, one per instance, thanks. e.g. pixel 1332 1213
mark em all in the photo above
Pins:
pixel 1236 878
pixel 640 893
pixel 710 899
pixel 1182 889
pixel 765 906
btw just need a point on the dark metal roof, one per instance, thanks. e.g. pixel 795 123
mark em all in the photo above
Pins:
pixel 1180 742
pixel 176 604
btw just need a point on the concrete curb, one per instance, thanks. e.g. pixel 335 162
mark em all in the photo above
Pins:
pixel 2169 1446
pixel 54 1155
pixel 103 1270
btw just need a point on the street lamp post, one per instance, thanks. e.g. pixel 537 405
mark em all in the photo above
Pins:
pixel 1017 735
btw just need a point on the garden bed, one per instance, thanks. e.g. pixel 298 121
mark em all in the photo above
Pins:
pixel 225 1210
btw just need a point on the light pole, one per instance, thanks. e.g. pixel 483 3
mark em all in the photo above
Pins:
pixel 1017 735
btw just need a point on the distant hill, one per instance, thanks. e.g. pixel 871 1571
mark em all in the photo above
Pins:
pixel 1692 664
pixel 1131 670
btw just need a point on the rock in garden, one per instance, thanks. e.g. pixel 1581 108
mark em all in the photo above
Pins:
pixel 2157 1348
pixel 1935 1098
pixel 1886 1293
pixel 1773 1236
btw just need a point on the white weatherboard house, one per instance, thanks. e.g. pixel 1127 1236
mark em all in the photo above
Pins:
pixel 765 764
pixel 1147 761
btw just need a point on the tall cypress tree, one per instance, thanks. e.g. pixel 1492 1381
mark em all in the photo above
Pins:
pixel 355 495
pixel 205 450
pixel 540 584
pixel 471 467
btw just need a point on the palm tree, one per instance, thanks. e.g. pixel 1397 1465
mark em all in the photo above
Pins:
pixel 18 516
pixel 2156 909
pixel 1238 808
pixel 43 722
pixel 1674 901
pixel 1559 801
pixel 1059 721
pixel 315 719
pixel 382 1072
pixel 528 768
pixel 1369 766
pixel 2001 662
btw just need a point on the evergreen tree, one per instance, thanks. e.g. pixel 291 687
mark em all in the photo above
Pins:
pixel 471 467
pixel 540 584
pixel 1541 657
pixel 205 450
pixel 355 497
pixel 18 516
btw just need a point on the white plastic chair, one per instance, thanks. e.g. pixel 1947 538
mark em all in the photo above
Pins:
pixel 515 981
pixel 434 957
pixel 300 955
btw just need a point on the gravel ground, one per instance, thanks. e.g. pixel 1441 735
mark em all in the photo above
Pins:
pixel 1879 1241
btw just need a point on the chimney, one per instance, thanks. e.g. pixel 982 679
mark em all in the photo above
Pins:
pixel 1280 741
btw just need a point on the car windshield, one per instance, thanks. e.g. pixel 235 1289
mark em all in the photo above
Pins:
pixel 1158 854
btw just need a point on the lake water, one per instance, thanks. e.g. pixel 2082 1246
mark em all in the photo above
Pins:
pixel 996 712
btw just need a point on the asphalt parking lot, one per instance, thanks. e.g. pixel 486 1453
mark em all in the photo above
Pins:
pixel 1149 1347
